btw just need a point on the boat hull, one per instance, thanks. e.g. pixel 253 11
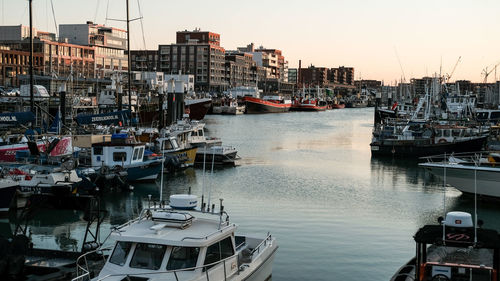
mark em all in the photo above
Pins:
pixel 224 158
pixel 146 171
pixel 338 105
pixel 265 270
pixel 255 106
pixel 186 156
pixel 308 108
pixel 7 193
pixel 462 177
pixel 198 109
pixel 397 148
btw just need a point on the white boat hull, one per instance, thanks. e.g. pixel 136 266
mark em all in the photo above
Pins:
pixel 462 178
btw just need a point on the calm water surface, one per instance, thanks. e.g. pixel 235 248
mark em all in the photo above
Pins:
pixel 308 178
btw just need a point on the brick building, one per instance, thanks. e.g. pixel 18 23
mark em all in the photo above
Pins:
pixel 313 76
pixel 198 53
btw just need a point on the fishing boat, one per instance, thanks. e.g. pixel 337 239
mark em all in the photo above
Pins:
pixel 197 108
pixel 470 173
pixel 309 101
pixel 183 241
pixel 211 149
pixel 424 138
pixel 457 248
pixel 124 152
pixel 169 146
pixel 267 104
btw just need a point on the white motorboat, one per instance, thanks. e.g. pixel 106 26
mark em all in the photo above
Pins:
pixel 469 173
pixel 209 149
pixel 177 242
pixel 455 249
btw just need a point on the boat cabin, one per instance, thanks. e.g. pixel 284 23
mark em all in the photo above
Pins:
pixel 173 244
pixel 121 150
pixel 455 250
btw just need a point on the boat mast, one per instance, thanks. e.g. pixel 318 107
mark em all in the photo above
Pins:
pixel 129 63
pixel 32 102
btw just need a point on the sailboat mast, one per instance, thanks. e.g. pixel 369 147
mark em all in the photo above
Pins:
pixel 32 102
pixel 129 63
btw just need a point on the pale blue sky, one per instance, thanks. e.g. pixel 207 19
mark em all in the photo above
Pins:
pixel 363 34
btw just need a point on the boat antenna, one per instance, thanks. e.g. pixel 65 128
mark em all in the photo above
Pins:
pixel 203 185
pixel 211 178
pixel 129 63
pixel 476 160
pixel 444 194
pixel 32 101
pixel 162 167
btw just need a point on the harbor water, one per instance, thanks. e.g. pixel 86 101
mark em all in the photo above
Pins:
pixel 307 178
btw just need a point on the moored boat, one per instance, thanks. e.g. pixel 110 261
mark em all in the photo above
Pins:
pixel 124 152
pixel 470 173
pixel 179 242
pixel 197 108
pixel 455 249
pixel 267 104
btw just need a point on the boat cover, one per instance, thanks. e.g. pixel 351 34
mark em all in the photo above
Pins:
pixel 460 237
pixel 111 118
pixel 16 118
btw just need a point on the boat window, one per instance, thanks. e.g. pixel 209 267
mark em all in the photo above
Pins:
pixel 119 156
pixel 226 248
pixel 97 150
pixel 136 152
pixel 167 144
pixel 457 255
pixel 200 132
pixel 148 256
pixel 141 153
pixel 495 115
pixel 120 253
pixel 175 145
pixel 439 133
pixel 446 133
pixel 183 257
pixel 456 133
pixel 194 133
pixel 220 250
pixel 213 254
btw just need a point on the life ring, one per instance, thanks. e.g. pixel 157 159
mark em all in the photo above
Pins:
pixel 442 141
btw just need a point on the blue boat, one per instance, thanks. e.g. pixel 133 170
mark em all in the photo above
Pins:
pixel 124 153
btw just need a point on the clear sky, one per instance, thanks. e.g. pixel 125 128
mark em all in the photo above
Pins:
pixel 367 35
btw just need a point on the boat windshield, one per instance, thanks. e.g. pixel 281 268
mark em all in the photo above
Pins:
pixel 148 256
pixel 467 256
pixel 183 257
pixel 120 253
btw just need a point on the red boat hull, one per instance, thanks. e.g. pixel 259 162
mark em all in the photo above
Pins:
pixel 256 105
pixel 338 105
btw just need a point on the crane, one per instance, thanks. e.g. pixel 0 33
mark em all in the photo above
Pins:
pixel 448 76
pixel 487 72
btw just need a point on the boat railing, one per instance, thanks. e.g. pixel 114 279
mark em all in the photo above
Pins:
pixel 477 158
pixel 83 271
pixel 230 263
pixel 262 244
